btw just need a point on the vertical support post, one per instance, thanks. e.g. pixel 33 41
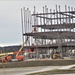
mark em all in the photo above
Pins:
pixel 57 28
pixel 43 20
pixel 69 14
pixel 47 23
pixel 54 16
pixel 34 21
pixel 28 24
pixel 66 40
pixel 46 20
pixel 34 17
pixel 72 19
pixel 57 14
pixel 26 27
pixel 22 25
pixel 30 28
pixel 66 21
pixel 61 41
pixel 41 28
pixel 51 16
pixel 24 20
pixel 60 14
pixel 33 29
pixel 66 13
pixel 72 14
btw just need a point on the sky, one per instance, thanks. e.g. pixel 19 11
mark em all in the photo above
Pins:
pixel 10 17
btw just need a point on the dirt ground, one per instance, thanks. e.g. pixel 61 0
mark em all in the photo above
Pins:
pixel 32 63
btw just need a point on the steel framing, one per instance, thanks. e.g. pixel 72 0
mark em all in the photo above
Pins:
pixel 55 30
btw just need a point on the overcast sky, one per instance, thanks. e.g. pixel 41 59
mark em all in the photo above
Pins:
pixel 10 18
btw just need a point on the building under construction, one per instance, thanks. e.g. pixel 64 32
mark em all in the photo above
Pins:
pixel 49 32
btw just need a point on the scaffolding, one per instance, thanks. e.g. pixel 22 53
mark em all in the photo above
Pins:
pixel 50 31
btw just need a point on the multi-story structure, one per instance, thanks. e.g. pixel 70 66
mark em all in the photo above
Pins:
pixel 50 31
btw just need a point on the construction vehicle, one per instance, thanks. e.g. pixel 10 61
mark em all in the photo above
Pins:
pixel 7 58
pixel 21 57
pixel 56 55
